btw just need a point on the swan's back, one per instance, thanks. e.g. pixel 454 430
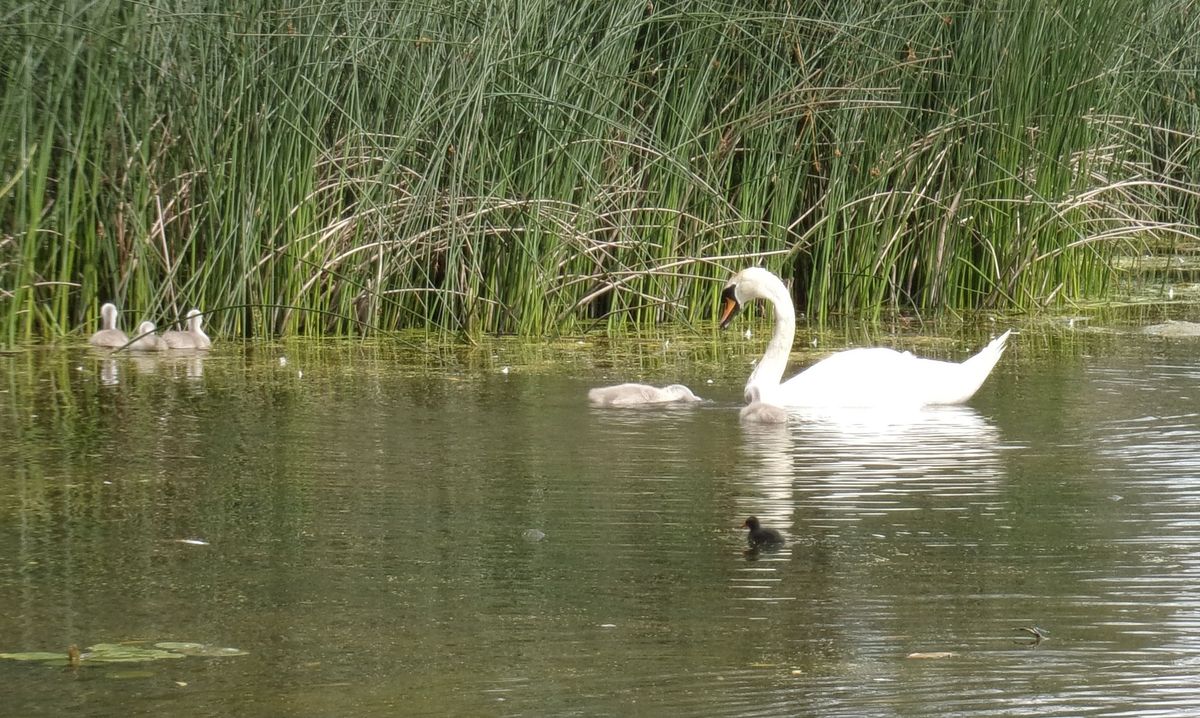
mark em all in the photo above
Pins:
pixel 859 377
pixel 885 377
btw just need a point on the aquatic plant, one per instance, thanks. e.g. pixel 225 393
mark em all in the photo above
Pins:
pixel 133 652
pixel 330 167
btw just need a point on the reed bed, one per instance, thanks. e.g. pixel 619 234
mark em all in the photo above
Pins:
pixel 329 167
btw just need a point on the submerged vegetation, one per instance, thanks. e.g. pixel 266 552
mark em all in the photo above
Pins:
pixel 322 166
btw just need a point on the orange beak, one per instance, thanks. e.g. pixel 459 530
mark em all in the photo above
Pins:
pixel 729 306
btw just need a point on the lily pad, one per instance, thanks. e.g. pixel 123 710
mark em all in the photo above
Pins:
pixel 128 675
pixel 34 656
pixel 128 653
pixel 119 653
pixel 199 649
pixel 178 646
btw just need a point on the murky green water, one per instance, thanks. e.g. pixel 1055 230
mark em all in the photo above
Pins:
pixel 365 523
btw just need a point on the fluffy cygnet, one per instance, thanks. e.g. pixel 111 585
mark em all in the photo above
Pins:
pixel 147 340
pixel 760 412
pixel 109 335
pixel 637 394
pixel 192 338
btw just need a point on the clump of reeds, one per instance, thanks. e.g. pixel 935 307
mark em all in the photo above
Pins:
pixel 525 167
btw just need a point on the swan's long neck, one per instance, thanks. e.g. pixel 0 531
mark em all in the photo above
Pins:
pixel 769 372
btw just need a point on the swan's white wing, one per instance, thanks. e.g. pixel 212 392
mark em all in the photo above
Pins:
pixel 885 377
pixel 857 377
pixel 874 377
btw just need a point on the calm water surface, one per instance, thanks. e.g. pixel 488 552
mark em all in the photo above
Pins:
pixel 389 534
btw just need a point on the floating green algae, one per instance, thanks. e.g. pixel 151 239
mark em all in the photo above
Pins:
pixel 127 653
pixel 199 649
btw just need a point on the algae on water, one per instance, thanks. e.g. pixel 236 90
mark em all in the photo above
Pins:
pixel 127 653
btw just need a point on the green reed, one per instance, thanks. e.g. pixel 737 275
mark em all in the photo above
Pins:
pixel 535 167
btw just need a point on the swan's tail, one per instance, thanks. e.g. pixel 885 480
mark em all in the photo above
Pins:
pixel 976 369
pixel 989 355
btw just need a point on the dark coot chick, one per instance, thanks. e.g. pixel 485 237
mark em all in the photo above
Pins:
pixel 761 537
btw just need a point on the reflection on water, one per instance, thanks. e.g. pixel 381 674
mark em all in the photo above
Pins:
pixel 386 535
pixel 864 455
pixel 853 463
pixel 182 363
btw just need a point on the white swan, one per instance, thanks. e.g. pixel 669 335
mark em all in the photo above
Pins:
pixel 637 394
pixel 856 377
pixel 146 340
pixel 108 335
pixel 192 338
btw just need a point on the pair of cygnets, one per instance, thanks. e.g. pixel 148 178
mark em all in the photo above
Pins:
pixel 145 340
pixel 756 411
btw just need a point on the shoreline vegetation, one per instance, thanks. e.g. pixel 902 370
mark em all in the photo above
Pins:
pixel 532 167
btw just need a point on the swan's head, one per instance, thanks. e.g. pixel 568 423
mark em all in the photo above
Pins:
pixel 194 318
pixel 751 523
pixel 145 328
pixel 747 285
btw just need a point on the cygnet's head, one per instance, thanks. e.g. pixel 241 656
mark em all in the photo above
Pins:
pixel 145 328
pixel 108 315
pixel 194 318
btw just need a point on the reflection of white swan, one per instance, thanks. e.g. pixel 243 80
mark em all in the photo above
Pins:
pixel 855 453
pixel 856 377
pixel 891 430
pixel 192 338
pixel 147 340
pixel 871 461
pixel 109 335
pixel 637 394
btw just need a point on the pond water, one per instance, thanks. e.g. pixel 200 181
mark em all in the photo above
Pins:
pixel 386 531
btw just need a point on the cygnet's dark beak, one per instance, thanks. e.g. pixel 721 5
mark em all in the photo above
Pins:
pixel 729 306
